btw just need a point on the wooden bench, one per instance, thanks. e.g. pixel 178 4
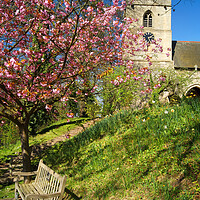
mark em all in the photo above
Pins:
pixel 47 184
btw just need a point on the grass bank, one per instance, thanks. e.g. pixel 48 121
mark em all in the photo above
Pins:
pixel 149 154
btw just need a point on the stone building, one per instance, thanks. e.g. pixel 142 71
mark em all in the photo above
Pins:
pixel 184 58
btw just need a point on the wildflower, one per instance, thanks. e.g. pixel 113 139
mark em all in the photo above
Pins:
pixel 143 120
pixel 165 127
pixel 166 112
pixel 172 110
pixel 68 136
pixel 157 86
pixel 153 102
pixel 70 115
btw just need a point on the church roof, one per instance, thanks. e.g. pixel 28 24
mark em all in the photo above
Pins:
pixel 186 54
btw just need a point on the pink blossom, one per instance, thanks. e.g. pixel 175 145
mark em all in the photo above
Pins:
pixel 90 9
pixel 115 23
pixel 78 92
pixel 48 60
pixel 150 63
pixel 48 107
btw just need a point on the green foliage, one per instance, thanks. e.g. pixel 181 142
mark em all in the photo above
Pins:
pixel 86 106
pixel 41 119
pixel 93 109
pixel 117 97
pixel 72 104
pixel 170 81
pixel 8 133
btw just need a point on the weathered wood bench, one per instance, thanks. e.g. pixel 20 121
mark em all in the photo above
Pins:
pixel 47 184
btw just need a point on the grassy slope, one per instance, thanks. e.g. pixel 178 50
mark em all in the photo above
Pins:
pixel 149 154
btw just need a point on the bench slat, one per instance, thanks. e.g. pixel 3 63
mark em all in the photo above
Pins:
pixel 54 184
pixel 28 189
pixel 38 189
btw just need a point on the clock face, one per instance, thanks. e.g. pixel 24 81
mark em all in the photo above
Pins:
pixel 148 37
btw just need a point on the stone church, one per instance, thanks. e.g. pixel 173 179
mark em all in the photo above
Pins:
pixel 184 58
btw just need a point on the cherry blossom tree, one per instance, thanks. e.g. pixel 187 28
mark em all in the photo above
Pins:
pixel 46 46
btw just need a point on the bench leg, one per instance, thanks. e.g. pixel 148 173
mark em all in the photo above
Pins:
pixel 16 194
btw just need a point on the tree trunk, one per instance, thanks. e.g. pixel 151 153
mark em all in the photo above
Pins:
pixel 82 112
pixel 26 153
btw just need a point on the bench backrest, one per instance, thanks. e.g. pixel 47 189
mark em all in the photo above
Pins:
pixel 48 180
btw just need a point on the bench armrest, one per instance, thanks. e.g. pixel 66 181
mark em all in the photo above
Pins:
pixel 18 175
pixel 24 173
pixel 42 196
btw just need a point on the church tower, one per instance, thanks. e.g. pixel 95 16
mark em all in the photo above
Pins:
pixel 155 17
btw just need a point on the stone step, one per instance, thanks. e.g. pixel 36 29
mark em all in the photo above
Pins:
pixel 13 163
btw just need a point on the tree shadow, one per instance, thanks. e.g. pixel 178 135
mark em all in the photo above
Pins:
pixel 67 150
pixel 51 127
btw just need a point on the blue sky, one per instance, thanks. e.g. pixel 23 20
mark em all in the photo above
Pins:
pixel 186 20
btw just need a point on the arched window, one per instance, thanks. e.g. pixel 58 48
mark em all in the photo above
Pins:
pixel 147 19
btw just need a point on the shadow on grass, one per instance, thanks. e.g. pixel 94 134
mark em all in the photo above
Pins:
pixel 66 151
pixel 51 127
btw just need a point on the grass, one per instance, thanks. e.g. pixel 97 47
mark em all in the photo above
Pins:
pixel 54 130
pixel 149 154
pixel 50 132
